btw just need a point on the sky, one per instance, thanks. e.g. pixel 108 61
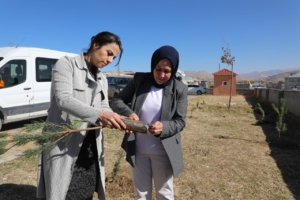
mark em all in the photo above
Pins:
pixel 262 34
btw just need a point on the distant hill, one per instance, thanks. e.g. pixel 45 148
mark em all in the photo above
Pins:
pixel 201 75
pixel 266 76
pixel 269 76
pixel 280 77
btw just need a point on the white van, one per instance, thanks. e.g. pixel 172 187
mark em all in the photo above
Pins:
pixel 25 81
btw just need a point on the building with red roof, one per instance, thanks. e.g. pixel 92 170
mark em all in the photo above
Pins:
pixel 222 81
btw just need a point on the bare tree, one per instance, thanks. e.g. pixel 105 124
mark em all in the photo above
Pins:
pixel 229 60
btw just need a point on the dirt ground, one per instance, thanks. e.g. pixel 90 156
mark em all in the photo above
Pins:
pixel 227 155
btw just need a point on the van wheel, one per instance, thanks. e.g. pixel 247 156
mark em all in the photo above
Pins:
pixel 199 92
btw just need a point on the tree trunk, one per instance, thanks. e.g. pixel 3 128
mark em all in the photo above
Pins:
pixel 230 86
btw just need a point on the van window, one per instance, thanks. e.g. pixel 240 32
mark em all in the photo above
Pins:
pixel 13 73
pixel 44 69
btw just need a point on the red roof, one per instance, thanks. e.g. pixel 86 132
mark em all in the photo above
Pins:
pixel 224 72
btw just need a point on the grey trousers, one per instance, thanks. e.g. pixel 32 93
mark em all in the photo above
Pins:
pixel 157 167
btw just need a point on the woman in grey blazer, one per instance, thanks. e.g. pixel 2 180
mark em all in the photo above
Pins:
pixel 161 100
pixel 75 169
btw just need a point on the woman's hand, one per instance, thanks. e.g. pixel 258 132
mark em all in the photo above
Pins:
pixel 133 116
pixel 111 120
pixel 156 128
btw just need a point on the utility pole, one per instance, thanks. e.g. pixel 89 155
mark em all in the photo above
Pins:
pixel 119 69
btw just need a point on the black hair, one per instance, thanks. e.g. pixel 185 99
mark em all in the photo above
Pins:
pixel 104 38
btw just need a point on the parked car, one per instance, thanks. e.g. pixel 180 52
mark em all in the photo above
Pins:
pixel 196 89
pixel 116 84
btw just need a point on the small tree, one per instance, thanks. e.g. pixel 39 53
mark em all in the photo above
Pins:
pixel 229 60
pixel 258 106
pixel 53 133
pixel 280 125
pixel 117 165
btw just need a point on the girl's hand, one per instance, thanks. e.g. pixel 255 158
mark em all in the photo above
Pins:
pixel 111 120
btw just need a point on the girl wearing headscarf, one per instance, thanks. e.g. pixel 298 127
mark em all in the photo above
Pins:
pixel 160 99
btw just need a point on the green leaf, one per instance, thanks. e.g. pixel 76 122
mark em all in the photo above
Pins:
pixel 34 125
pixel 37 150
pixel 22 139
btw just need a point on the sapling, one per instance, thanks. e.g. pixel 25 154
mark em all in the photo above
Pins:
pixel 258 106
pixel 53 133
pixel 117 166
pixel 229 60
pixel 281 111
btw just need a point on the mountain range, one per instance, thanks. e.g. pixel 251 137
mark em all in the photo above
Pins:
pixel 266 76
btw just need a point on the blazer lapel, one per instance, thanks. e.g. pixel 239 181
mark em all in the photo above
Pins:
pixel 81 64
pixel 100 82
pixel 167 102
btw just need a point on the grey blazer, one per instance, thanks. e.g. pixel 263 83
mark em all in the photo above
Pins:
pixel 174 108
pixel 74 95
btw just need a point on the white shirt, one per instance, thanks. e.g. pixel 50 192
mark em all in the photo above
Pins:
pixel 150 112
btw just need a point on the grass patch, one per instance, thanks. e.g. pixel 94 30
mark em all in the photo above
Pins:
pixel 226 155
